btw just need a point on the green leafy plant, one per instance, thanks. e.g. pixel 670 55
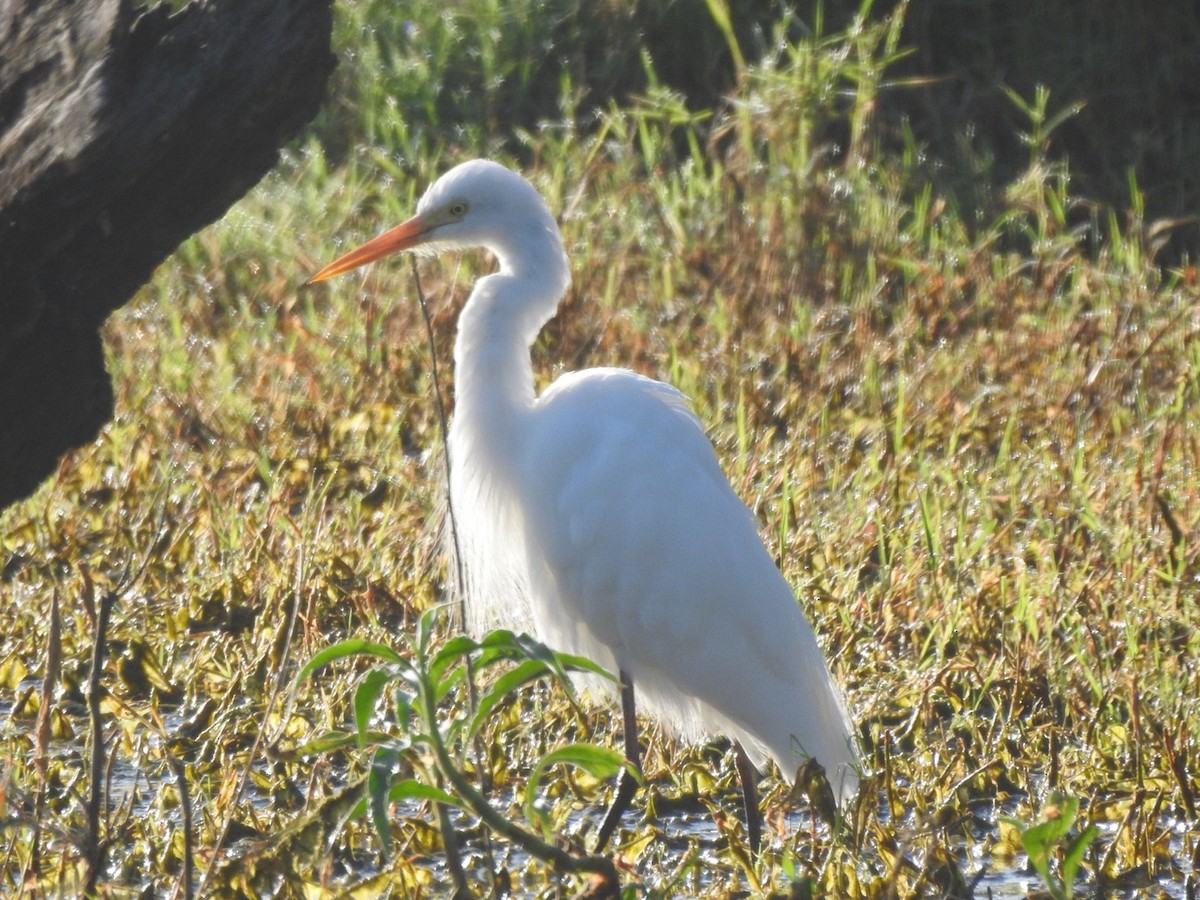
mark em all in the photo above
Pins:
pixel 440 712
pixel 1050 837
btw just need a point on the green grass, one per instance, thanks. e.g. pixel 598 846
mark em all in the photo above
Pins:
pixel 972 450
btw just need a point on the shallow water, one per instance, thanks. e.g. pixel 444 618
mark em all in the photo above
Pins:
pixel 684 829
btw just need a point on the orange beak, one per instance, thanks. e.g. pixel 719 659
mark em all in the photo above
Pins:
pixel 407 234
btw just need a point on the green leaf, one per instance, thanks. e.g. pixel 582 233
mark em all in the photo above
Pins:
pixel 411 789
pixel 408 789
pixel 340 740
pixel 1073 856
pixel 1041 840
pixel 532 648
pixel 498 645
pixel 597 761
pixel 351 647
pixel 502 644
pixel 327 743
pixel 572 663
pixel 498 637
pixel 528 671
pixel 404 710
pixel 453 650
pixel 1038 842
pixel 424 630
pixel 443 686
pixel 383 766
pixel 566 662
pixel 365 698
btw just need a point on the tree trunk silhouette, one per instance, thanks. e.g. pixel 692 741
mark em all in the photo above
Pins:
pixel 121 133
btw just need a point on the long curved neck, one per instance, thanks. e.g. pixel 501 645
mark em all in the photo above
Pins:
pixel 493 373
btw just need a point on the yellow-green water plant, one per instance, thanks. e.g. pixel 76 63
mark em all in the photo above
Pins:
pixel 1051 837
pixel 439 711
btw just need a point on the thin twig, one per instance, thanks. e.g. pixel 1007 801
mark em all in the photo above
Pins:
pixel 561 859
pixel 444 427
pixel 449 835
pixel 42 733
pixel 185 806
pixel 93 847
pixel 243 778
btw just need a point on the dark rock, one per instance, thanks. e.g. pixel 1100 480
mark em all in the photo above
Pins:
pixel 121 135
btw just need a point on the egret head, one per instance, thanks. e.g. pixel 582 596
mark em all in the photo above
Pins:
pixel 476 204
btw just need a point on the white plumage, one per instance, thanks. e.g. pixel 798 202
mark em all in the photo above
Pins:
pixel 597 515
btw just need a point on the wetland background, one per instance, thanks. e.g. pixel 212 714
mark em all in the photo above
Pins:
pixel 927 271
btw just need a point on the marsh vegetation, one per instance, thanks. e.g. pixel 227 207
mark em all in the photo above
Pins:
pixel 971 434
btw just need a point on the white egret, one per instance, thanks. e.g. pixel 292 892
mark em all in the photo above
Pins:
pixel 597 515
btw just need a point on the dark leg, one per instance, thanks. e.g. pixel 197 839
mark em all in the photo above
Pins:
pixel 748 776
pixel 626 784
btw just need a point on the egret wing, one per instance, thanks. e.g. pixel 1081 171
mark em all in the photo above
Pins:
pixel 644 558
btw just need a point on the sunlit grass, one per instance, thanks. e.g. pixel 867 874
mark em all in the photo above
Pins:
pixel 973 451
